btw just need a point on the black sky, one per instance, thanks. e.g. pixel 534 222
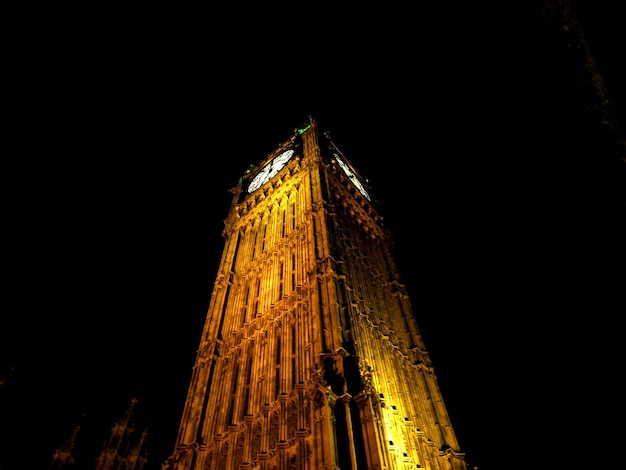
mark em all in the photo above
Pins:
pixel 478 129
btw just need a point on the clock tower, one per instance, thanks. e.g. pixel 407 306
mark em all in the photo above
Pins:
pixel 311 357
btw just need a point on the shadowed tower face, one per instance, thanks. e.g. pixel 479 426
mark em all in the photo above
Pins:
pixel 310 356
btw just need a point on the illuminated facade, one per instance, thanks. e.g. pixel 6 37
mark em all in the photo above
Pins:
pixel 310 356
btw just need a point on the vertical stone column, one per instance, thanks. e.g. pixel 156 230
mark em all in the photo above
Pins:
pixel 345 402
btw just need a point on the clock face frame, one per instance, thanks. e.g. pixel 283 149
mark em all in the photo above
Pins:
pixel 351 176
pixel 269 170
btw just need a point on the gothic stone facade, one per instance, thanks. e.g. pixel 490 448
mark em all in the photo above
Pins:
pixel 311 357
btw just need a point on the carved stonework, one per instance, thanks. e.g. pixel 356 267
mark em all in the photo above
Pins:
pixel 307 308
pixel 239 449
pixel 274 423
pixel 292 419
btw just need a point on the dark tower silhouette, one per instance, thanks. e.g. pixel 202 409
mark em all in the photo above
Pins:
pixel 63 457
pixel 120 451
pixel 311 357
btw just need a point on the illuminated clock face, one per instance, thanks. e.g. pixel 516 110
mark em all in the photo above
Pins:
pixel 269 170
pixel 355 180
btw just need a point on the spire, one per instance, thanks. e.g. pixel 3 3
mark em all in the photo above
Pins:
pixel 138 455
pixel 118 451
pixel 62 457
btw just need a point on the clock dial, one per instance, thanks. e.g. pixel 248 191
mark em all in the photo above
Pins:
pixel 281 160
pixel 260 178
pixel 350 174
pixel 269 170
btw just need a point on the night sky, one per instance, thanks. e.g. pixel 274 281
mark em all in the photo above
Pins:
pixel 480 132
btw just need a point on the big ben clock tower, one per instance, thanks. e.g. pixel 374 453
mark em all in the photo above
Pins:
pixel 310 357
